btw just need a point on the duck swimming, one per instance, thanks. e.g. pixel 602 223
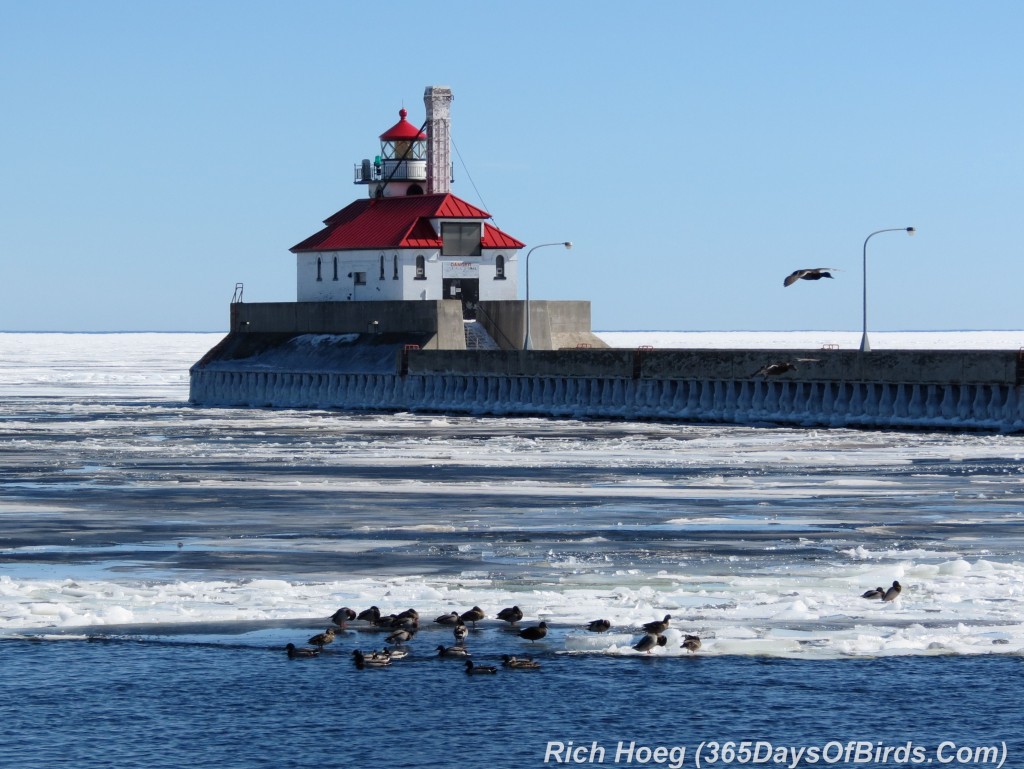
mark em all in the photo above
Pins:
pixel 297 653
pixel 452 651
pixel 476 670
pixel 519 663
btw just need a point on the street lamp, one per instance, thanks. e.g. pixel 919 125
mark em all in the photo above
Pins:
pixel 527 343
pixel 865 346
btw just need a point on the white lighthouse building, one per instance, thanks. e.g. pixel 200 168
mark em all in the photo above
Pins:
pixel 409 239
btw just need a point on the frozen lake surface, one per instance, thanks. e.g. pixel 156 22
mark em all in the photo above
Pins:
pixel 185 536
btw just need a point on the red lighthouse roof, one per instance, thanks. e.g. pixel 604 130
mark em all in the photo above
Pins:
pixel 399 222
pixel 403 130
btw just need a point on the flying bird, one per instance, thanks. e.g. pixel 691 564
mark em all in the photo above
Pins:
pixel 781 367
pixel 816 273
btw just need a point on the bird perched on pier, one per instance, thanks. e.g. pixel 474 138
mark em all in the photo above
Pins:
pixel 658 626
pixel 781 367
pixel 878 592
pixel 893 592
pixel 815 273
pixel 691 643
pixel 534 633
pixel 298 653
pixel 474 615
pixel 511 615
pixel 476 670
pixel 343 615
pixel 599 626
pixel 649 641
pixel 320 640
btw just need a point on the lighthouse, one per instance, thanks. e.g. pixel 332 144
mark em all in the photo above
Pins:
pixel 409 238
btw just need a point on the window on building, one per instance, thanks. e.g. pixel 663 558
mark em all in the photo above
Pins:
pixel 499 267
pixel 460 239
pixel 421 268
pixel 359 278
pixel 335 268
pixel 319 268
pixel 382 266
pixel 394 275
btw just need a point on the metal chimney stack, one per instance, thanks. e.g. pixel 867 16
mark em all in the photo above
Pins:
pixel 438 100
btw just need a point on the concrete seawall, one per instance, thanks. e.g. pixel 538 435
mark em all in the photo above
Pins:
pixel 943 390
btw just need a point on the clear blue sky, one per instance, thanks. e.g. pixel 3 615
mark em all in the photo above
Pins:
pixel 153 154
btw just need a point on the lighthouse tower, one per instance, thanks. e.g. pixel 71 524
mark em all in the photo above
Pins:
pixel 410 238
pixel 401 167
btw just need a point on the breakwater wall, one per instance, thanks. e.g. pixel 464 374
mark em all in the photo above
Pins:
pixel 944 390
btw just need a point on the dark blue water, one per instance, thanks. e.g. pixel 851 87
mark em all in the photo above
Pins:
pixel 152 703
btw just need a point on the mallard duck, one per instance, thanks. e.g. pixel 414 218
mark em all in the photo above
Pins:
pixel 343 615
pixel 599 626
pixel 322 639
pixel 519 663
pixel 370 615
pixel 814 273
pixel 452 651
pixel 658 627
pixel 460 632
pixel 893 592
pixel 297 653
pixel 878 592
pixel 691 643
pixel 534 633
pixel 476 670
pixel 474 615
pixel 649 641
pixel 392 654
pixel 449 619
pixel 400 636
pixel 373 661
pixel 511 615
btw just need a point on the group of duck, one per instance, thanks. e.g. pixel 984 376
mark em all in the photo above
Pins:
pixel 401 629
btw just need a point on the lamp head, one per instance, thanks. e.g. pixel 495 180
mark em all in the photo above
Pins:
pixel 911 230
pixel 567 244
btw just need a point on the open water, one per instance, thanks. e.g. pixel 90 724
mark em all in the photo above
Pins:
pixel 156 558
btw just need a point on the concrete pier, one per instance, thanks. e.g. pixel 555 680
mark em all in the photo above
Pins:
pixel 940 390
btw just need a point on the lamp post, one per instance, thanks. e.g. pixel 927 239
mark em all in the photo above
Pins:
pixel 865 346
pixel 527 343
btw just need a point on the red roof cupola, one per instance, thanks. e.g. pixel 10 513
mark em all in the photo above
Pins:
pixel 403 130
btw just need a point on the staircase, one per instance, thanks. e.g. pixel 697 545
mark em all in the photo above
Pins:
pixel 477 337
